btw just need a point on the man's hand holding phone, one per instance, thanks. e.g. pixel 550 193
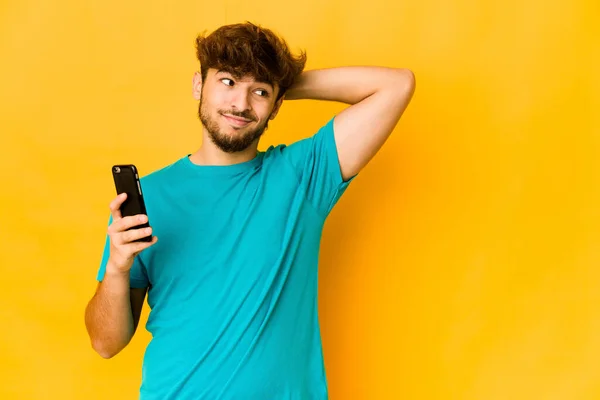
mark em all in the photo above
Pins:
pixel 123 244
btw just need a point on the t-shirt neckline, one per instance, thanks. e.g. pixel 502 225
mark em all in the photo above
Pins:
pixel 223 169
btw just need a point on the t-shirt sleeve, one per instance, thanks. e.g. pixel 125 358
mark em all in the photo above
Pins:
pixel 316 163
pixel 138 277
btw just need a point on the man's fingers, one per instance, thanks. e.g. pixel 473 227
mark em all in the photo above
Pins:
pixel 135 234
pixel 126 223
pixel 138 247
pixel 115 206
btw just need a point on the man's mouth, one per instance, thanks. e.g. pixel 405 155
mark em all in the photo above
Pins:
pixel 237 121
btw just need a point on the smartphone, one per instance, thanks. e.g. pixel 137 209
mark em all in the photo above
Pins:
pixel 127 181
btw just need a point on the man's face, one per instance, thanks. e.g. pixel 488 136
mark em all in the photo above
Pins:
pixel 234 110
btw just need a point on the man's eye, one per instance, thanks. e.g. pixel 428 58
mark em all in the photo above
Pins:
pixel 262 92
pixel 227 81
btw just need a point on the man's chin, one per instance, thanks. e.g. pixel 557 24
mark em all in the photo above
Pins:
pixel 232 141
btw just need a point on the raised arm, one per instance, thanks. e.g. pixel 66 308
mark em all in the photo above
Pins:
pixel 378 97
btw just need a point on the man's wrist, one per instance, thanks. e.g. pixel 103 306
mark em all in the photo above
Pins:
pixel 113 271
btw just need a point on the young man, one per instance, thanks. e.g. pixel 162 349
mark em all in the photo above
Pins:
pixel 232 282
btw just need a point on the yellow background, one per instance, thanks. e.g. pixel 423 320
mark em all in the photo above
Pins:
pixel 461 264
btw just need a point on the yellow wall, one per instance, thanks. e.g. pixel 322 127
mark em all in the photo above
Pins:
pixel 462 264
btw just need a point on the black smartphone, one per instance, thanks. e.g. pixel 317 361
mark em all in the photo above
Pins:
pixel 127 181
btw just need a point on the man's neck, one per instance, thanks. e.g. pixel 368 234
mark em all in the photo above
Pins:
pixel 210 154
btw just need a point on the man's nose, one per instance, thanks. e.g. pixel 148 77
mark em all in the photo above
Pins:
pixel 240 101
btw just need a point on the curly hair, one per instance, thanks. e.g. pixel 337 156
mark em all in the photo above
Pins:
pixel 247 49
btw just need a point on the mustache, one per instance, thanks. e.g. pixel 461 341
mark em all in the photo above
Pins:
pixel 240 114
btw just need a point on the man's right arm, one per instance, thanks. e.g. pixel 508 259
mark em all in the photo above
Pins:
pixel 112 315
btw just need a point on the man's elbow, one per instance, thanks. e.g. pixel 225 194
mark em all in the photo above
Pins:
pixel 407 80
pixel 104 350
pixel 401 92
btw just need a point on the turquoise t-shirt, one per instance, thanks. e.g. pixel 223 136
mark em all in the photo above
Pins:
pixel 233 277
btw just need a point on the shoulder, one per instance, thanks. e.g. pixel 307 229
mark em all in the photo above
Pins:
pixel 161 175
pixel 323 133
pixel 158 178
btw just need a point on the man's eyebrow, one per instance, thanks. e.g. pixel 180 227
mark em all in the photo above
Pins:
pixel 224 71
pixel 265 83
pixel 239 77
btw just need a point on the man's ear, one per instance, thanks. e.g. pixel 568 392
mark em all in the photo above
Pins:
pixel 197 85
pixel 277 107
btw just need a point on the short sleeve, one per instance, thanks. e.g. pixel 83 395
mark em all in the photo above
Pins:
pixel 138 277
pixel 316 163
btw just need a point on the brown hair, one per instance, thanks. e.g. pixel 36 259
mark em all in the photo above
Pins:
pixel 247 49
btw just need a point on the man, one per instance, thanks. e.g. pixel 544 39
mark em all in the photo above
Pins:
pixel 232 283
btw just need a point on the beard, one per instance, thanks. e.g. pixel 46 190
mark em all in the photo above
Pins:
pixel 240 140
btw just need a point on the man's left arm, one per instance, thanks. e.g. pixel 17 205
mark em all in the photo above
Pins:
pixel 378 97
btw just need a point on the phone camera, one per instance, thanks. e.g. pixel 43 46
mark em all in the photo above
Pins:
pixel 117 169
